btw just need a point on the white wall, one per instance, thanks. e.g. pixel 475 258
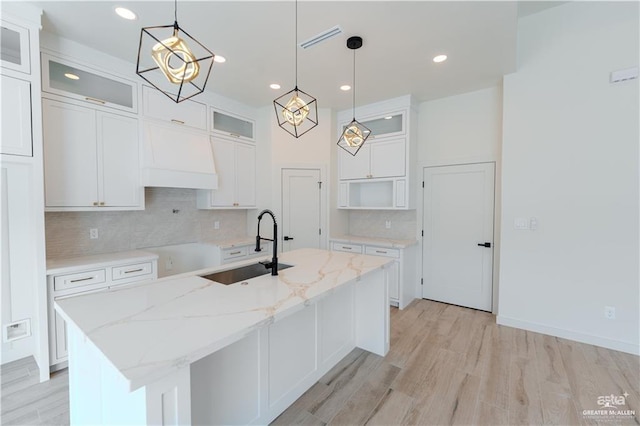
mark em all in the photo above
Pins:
pixel 570 159
pixel 277 149
pixel 464 129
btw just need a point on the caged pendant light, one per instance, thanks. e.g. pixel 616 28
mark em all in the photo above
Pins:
pixel 296 111
pixel 172 61
pixel 355 133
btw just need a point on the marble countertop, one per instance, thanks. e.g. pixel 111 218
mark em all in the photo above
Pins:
pixel 151 329
pixel 65 266
pixel 380 242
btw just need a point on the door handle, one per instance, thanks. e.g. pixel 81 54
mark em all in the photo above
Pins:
pixel 288 238
pixel 484 244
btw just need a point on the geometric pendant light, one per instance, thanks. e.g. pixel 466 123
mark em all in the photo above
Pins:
pixel 172 61
pixel 355 133
pixel 296 110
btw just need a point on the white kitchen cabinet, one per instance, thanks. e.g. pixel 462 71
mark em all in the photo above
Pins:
pixel 235 164
pixel 232 125
pixel 73 277
pixel 73 80
pixel 91 158
pixel 14 48
pixel 16 117
pixel 242 251
pixel 401 276
pixel 187 113
pixel 383 173
pixel 377 159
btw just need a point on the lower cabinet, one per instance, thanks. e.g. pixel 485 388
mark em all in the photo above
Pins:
pixel 401 278
pixel 242 252
pixel 87 279
pixel 254 379
pixel 91 158
pixel 236 167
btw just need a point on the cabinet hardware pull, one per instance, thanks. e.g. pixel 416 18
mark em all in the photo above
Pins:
pixel 133 270
pixel 81 279
pixel 234 135
pixel 173 120
pixel 381 251
pixel 484 245
pixel 100 101
pixel 346 248
pixel 235 252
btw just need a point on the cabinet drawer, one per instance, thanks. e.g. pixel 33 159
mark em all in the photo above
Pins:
pixel 350 248
pixel 380 251
pixel 129 271
pixel 79 279
pixel 234 253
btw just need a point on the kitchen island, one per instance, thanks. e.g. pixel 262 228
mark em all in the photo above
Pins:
pixel 187 350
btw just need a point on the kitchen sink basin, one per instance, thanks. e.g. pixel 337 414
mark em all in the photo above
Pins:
pixel 242 274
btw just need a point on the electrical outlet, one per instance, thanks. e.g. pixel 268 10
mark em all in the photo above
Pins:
pixel 387 224
pixel 610 312
pixel 216 224
pixel 93 233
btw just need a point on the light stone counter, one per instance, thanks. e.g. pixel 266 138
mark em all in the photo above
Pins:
pixel 147 331
pixel 380 242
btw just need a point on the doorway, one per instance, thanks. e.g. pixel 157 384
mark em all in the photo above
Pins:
pixel 457 250
pixel 302 203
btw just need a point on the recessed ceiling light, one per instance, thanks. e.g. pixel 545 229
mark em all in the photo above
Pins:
pixel 71 76
pixel 274 86
pixel 440 58
pixel 345 87
pixel 219 59
pixel 388 117
pixel 125 13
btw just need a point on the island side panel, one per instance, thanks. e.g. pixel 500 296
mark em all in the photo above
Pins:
pixel 372 312
pixel 99 394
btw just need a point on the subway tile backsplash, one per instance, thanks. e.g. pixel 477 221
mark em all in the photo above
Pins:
pixel 371 223
pixel 67 233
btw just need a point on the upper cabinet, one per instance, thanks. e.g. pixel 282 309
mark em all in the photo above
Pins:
pixel 382 174
pixel 91 159
pixel 236 166
pixel 14 47
pixel 66 78
pixel 231 125
pixel 187 113
pixel 16 117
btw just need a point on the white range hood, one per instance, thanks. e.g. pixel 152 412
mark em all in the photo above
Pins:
pixel 177 157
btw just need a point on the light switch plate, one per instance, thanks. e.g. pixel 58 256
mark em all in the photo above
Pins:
pixel 521 223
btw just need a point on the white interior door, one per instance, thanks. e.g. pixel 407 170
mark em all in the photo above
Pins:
pixel 301 207
pixel 457 263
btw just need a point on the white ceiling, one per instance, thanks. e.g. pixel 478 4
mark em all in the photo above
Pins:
pixel 257 38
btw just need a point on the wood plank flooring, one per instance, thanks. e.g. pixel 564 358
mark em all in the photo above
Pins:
pixel 447 365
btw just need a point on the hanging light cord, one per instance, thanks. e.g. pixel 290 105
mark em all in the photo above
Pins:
pixel 296 45
pixel 175 14
pixel 354 84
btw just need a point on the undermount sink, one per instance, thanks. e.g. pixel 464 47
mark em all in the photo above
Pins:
pixel 242 274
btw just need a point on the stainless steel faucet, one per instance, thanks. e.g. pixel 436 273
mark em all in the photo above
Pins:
pixel 273 265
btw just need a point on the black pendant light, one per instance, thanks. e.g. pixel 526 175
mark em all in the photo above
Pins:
pixel 172 61
pixel 355 133
pixel 296 111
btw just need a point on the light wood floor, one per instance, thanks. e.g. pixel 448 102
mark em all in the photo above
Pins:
pixel 447 365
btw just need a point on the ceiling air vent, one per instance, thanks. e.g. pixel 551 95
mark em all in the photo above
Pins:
pixel 319 38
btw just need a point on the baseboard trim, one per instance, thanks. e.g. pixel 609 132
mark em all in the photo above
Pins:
pixel 616 345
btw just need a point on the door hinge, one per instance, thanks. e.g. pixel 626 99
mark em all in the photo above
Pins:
pixel 423 184
pixel 319 185
pixel 320 231
pixel 423 233
pixel 421 281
